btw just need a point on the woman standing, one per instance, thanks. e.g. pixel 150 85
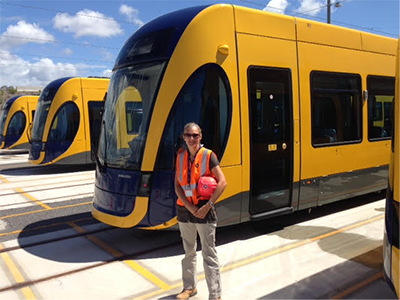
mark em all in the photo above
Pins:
pixel 197 215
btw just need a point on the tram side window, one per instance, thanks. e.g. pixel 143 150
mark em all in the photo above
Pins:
pixel 380 112
pixel 336 108
pixel 17 124
pixel 206 100
pixel 65 124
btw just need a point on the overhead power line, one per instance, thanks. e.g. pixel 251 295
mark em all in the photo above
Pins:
pixel 59 57
pixel 323 19
pixel 72 13
pixel 57 42
pixel 51 67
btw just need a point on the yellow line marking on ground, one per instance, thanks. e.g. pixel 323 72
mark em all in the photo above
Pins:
pixel 32 198
pixel 42 210
pixel 16 274
pixel 134 265
pixel 27 195
pixel 3 179
pixel 277 251
pixel 358 286
pixel 42 227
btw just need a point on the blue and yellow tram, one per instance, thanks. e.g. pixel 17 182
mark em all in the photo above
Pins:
pixel 16 117
pixel 287 104
pixel 67 122
pixel 391 253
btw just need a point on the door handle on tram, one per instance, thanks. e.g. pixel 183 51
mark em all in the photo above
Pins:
pixel 284 146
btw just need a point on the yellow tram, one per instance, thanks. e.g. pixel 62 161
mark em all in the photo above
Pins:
pixel 16 117
pixel 391 254
pixel 287 104
pixel 67 122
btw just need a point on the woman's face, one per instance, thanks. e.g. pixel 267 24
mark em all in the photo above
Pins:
pixel 192 136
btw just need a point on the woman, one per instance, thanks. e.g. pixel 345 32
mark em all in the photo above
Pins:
pixel 197 215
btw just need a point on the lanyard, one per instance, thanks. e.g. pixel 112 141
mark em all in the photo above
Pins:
pixel 190 163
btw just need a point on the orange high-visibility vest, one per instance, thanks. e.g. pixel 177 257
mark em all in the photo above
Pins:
pixel 200 167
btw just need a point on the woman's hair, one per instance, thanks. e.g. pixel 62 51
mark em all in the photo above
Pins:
pixel 191 124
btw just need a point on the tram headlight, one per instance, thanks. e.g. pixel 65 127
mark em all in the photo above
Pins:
pixel 145 185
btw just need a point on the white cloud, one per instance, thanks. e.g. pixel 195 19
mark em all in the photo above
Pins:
pixel 87 23
pixel 24 33
pixel 311 7
pixel 107 73
pixel 46 70
pixel 277 6
pixel 67 51
pixel 107 55
pixel 18 72
pixel 131 13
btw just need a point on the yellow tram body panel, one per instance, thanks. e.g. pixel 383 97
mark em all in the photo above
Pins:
pixel 351 58
pixel 195 49
pixel 273 46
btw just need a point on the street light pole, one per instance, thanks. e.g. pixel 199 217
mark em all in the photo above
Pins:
pixel 329 11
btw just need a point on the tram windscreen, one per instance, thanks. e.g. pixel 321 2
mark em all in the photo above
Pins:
pixel 120 148
pixel 42 110
pixel 3 118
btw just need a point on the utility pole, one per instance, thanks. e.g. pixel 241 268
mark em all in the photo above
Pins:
pixel 329 12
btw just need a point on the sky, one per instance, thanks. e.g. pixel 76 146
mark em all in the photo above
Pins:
pixel 41 41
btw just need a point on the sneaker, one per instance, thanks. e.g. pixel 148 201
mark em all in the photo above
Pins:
pixel 185 294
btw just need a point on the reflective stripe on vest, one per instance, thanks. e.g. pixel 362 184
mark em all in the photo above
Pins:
pixel 200 167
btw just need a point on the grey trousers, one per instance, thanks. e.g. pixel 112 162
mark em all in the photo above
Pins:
pixel 210 259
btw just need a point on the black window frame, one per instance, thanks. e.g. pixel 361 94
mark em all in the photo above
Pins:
pixel 21 115
pixel 67 135
pixel 355 92
pixel 370 95
pixel 178 139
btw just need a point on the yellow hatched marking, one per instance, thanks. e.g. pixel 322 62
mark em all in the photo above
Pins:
pixel 3 179
pixel 265 255
pixel 134 265
pixel 147 274
pixel 33 199
pixel 17 274
pixel 42 210
pixel 41 227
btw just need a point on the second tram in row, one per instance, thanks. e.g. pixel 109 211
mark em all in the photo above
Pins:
pixel 67 123
pixel 290 106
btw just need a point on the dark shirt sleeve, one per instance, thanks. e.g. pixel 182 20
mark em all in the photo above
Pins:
pixel 213 161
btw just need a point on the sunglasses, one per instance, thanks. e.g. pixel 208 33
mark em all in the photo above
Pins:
pixel 194 135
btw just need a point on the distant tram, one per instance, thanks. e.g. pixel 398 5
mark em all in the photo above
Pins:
pixel 16 117
pixel 287 104
pixel 391 253
pixel 67 122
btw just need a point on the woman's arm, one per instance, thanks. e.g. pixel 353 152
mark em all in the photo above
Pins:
pixel 219 175
pixel 181 195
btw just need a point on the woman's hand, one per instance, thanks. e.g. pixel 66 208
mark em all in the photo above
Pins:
pixel 191 208
pixel 202 212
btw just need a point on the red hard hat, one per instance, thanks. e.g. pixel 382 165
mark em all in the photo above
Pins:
pixel 206 186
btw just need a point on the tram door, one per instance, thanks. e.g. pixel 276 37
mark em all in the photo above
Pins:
pixel 270 101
